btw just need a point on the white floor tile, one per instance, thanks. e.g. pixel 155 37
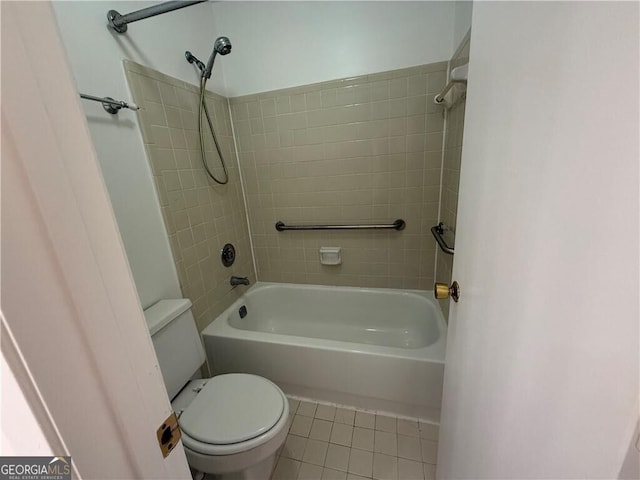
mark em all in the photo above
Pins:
pixel 408 427
pixel 385 442
pixel 361 463
pixel 345 415
pixel 294 447
pixel 365 419
pixel 309 472
pixel 286 469
pixel 293 405
pixel 429 471
pixel 326 412
pixel 385 467
pixel 320 430
pixel 341 434
pixel 308 409
pixel 363 439
pixel 337 457
pixel 429 431
pixel 315 452
pixel 410 470
pixel 429 451
pixel 385 423
pixel 409 447
pixel 301 426
pixel 327 442
pixel 330 474
pixel 351 476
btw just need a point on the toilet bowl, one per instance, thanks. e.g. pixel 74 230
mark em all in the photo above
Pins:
pixel 232 425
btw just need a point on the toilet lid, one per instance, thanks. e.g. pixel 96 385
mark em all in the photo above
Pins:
pixel 233 408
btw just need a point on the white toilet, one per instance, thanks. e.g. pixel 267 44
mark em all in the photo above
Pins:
pixel 233 424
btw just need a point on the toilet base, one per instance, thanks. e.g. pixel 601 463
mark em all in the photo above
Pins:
pixel 254 464
pixel 260 471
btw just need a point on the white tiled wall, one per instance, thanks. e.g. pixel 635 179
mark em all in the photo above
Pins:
pixel 200 216
pixel 357 150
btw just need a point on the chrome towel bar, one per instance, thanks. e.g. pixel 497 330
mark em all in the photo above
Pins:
pixel 438 233
pixel 109 104
pixel 396 225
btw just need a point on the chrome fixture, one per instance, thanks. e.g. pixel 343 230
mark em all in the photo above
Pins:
pixel 109 104
pixel 221 46
pixel 458 75
pixel 191 58
pixel 228 255
pixel 118 22
pixel 396 225
pixel 438 233
pixel 235 281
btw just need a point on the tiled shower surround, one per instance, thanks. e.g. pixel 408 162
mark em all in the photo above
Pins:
pixel 200 216
pixel 451 168
pixel 353 151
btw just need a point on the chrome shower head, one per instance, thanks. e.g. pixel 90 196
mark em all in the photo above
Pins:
pixel 222 46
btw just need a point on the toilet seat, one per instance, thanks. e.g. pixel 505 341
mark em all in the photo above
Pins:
pixel 233 413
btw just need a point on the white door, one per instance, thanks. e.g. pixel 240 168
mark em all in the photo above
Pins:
pixel 73 333
pixel 542 363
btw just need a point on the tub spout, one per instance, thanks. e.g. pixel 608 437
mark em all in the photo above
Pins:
pixel 238 281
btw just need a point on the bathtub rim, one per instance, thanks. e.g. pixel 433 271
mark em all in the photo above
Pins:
pixel 435 352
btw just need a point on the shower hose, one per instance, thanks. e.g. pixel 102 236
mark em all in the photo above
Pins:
pixel 203 106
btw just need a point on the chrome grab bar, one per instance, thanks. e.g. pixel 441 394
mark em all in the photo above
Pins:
pixel 438 232
pixel 396 225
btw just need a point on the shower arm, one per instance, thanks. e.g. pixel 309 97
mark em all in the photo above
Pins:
pixel 119 22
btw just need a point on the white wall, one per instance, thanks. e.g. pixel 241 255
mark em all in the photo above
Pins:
pixel 461 21
pixel 95 54
pixel 284 44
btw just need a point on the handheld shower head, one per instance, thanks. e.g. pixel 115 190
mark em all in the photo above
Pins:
pixel 222 46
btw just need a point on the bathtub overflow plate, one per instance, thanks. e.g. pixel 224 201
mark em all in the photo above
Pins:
pixel 228 255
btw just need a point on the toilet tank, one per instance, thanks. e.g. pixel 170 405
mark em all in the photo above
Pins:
pixel 176 341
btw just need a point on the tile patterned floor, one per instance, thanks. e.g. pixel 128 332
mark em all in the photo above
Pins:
pixel 327 442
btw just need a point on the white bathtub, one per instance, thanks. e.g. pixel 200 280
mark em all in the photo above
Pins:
pixel 372 348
